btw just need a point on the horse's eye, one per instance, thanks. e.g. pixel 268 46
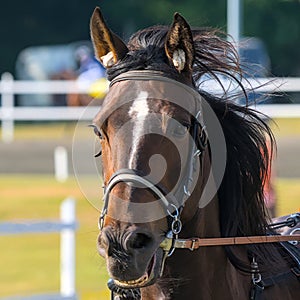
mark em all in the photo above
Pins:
pixel 96 131
pixel 180 130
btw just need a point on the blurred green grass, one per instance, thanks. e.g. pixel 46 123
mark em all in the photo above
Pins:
pixel 30 263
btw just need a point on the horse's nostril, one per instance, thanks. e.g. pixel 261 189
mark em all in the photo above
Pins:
pixel 139 240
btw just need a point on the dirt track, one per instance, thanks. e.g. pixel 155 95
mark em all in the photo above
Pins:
pixel 33 156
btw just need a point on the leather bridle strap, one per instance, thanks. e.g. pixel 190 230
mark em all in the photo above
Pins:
pixel 131 176
pixel 195 243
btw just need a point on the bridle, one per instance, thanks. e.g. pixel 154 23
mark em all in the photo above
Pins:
pixel 173 203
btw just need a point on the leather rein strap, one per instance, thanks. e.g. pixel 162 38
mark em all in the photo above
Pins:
pixel 195 243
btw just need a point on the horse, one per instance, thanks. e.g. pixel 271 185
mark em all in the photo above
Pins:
pixel 183 172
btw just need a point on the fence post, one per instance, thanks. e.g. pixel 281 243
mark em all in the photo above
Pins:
pixel 7 81
pixel 67 244
pixel 61 164
pixel 234 16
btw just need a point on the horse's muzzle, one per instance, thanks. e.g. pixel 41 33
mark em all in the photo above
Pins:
pixel 133 256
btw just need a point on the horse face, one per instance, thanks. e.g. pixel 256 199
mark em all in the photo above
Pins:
pixel 149 136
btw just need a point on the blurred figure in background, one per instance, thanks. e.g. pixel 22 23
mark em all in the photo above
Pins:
pixel 88 73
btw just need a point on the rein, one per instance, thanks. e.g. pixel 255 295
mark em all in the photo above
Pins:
pixel 196 243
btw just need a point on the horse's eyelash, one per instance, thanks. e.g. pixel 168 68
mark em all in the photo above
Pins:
pixel 96 131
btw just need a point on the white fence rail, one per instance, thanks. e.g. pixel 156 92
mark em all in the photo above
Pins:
pixel 66 226
pixel 9 88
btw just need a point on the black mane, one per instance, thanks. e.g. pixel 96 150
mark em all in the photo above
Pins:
pixel 146 52
pixel 242 210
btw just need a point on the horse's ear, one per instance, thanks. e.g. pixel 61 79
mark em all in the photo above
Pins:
pixel 179 45
pixel 109 48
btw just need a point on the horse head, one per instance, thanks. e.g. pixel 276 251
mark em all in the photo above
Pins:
pixel 150 127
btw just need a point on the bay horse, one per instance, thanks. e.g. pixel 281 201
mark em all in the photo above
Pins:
pixel 180 163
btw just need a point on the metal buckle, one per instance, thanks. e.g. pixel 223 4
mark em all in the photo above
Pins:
pixel 101 219
pixel 176 226
pixel 193 244
pixel 197 153
pixel 295 243
pixel 256 276
pixel 186 191
pixel 168 243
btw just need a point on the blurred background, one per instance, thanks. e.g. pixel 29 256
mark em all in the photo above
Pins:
pixel 47 63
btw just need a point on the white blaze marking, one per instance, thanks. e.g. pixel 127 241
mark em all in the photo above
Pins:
pixel 139 110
